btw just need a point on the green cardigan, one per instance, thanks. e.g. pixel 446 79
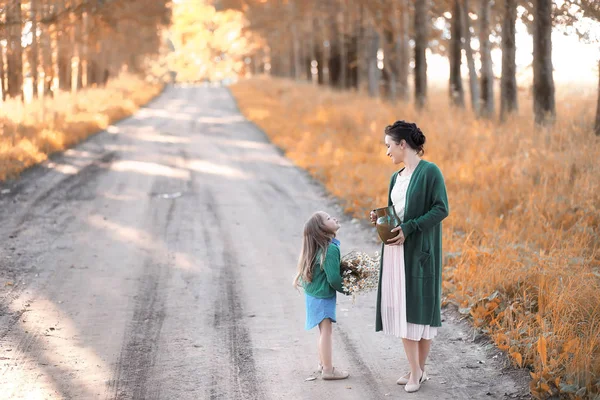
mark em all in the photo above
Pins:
pixel 326 280
pixel 426 207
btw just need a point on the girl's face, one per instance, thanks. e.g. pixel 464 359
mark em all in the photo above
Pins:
pixel 395 151
pixel 331 224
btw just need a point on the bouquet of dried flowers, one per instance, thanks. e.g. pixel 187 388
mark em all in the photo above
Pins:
pixel 360 272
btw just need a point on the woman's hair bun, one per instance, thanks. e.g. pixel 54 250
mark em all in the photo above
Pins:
pixel 417 136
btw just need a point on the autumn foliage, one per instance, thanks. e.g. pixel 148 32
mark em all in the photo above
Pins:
pixel 30 132
pixel 522 247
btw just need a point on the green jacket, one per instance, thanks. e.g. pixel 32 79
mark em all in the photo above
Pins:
pixel 326 280
pixel 426 207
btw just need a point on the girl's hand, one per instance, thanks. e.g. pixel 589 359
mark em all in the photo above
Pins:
pixel 397 240
pixel 373 217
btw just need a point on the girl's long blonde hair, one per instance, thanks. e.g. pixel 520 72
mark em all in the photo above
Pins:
pixel 315 238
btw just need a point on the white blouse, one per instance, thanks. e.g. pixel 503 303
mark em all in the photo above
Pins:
pixel 399 195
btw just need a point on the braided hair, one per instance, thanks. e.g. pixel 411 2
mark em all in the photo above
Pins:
pixel 409 132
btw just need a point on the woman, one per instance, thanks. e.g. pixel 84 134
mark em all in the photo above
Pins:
pixel 410 284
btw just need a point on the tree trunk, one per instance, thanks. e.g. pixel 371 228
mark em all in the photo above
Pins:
pixel 106 62
pixel 353 53
pixel 34 52
pixel 293 69
pixel 255 64
pixel 80 34
pixel 543 80
pixel 343 49
pixel 301 54
pixel 312 51
pixel 46 50
pixel 63 55
pixel 597 127
pixel 353 62
pixel 326 46
pixel 473 83
pixel 95 67
pixel 421 38
pixel 91 67
pixel 14 53
pixel 402 51
pixel 392 52
pixel 508 82
pixel 389 65
pixel 334 65
pixel 387 33
pixel 274 56
pixel 319 56
pixel 487 73
pixel 457 94
pixel 362 49
pixel 88 45
pixel 286 56
pixel 2 80
pixel 373 71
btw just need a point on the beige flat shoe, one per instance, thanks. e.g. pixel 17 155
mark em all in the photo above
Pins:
pixel 414 387
pixel 334 375
pixel 403 380
pixel 411 388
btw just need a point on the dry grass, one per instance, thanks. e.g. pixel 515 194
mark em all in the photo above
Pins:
pixel 30 132
pixel 522 241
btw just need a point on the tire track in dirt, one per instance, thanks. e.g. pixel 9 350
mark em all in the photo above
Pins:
pixel 238 379
pixel 367 375
pixel 135 369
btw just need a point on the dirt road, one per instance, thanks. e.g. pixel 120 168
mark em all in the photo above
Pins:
pixel 155 260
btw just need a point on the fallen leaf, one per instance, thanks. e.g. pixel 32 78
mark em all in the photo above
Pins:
pixel 310 378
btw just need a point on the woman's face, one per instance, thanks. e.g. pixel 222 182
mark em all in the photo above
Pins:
pixel 331 224
pixel 395 151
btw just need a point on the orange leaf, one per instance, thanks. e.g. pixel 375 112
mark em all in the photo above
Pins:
pixel 541 347
pixel 518 358
pixel 534 376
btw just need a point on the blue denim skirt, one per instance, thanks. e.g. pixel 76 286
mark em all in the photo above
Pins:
pixel 319 309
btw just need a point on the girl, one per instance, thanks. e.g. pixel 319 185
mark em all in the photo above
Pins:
pixel 319 275
pixel 410 279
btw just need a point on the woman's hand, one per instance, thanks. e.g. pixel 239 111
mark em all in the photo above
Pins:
pixel 373 217
pixel 398 239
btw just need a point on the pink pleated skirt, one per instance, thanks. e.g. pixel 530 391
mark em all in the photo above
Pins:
pixel 393 299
